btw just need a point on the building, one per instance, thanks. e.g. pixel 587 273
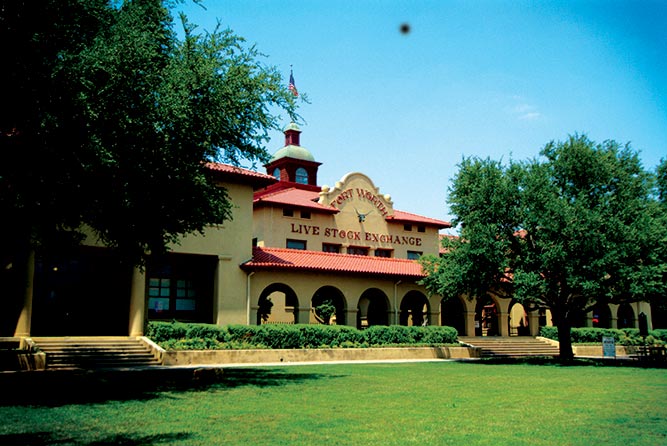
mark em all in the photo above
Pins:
pixel 345 244
pixel 291 247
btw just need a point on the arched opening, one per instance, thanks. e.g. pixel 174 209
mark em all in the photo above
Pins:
pixel 601 316
pixel 277 304
pixel 332 295
pixel 301 176
pixel 625 316
pixel 414 309
pixel 659 314
pixel 578 318
pixel 486 317
pixel 373 309
pixel 452 314
pixel 518 320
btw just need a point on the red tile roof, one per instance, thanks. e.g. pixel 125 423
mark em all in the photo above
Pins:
pixel 240 174
pixel 315 261
pixel 414 218
pixel 304 198
pixel 294 197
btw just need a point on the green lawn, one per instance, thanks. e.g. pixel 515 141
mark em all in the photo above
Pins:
pixel 364 404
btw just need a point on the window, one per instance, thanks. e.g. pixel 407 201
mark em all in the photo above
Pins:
pixel 414 255
pixel 382 252
pixel 357 250
pixel 305 214
pixel 159 293
pixel 296 244
pixel 288 212
pixel 180 287
pixel 276 173
pixel 330 247
pixel 421 228
pixel 301 176
pixel 185 295
pixel 407 227
pixel 168 296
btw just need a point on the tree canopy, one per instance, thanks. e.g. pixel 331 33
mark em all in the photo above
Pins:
pixel 576 227
pixel 109 118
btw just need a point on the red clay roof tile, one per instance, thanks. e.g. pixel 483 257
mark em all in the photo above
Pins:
pixel 414 218
pixel 298 260
pixel 239 173
pixel 294 197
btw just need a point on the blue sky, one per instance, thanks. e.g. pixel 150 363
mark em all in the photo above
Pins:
pixel 495 79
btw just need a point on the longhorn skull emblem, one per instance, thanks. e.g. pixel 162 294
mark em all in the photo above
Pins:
pixel 362 217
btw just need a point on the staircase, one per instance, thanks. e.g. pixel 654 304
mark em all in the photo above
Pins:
pixel 510 347
pixel 95 352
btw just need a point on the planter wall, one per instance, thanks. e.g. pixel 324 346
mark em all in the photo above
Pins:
pixel 207 357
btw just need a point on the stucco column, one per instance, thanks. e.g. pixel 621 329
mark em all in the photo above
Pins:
pixel 613 310
pixel 303 316
pixel 25 318
pixel 504 322
pixel 137 302
pixel 351 317
pixel 534 322
pixel 589 319
pixel 470 323
pixel 253 314
pixel 644 307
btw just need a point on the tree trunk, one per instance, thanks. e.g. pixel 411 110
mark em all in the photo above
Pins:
pixel 564 340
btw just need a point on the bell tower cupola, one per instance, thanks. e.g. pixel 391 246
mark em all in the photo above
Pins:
pixel 293 163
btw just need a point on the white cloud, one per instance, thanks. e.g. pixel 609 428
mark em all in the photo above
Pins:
pixel 523 111
pixel 532 116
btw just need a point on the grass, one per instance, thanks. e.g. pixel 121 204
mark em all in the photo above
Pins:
pixel 362 404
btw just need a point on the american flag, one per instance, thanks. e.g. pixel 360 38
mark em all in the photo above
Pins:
pixel 292 87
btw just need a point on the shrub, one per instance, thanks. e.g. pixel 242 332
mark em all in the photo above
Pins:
pixel 438 335
pixel 163 331
pixel 624 336
pixel 315 336
pixel 660 334
pixel 347 335
pixel 280 336
pixel 177 335
pixel 549 332
pixel 192 344
pixel 207 331
pixel 393 334
pixel 242 333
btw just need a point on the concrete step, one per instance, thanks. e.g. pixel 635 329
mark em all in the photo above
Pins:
pixel 511 347
pixel 95 353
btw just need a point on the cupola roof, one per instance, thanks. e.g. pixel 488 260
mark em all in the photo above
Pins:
pixel 292 148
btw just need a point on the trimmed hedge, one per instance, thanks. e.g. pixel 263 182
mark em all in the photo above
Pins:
pixel 623 336
pixel 184 336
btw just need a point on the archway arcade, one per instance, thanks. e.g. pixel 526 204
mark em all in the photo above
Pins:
pixel 362 303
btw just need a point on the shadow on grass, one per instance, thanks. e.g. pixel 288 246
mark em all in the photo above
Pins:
pixel 59 388
pixel 48 438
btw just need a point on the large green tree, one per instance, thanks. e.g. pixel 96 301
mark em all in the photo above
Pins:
pixel 108 119
pixel 577 227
